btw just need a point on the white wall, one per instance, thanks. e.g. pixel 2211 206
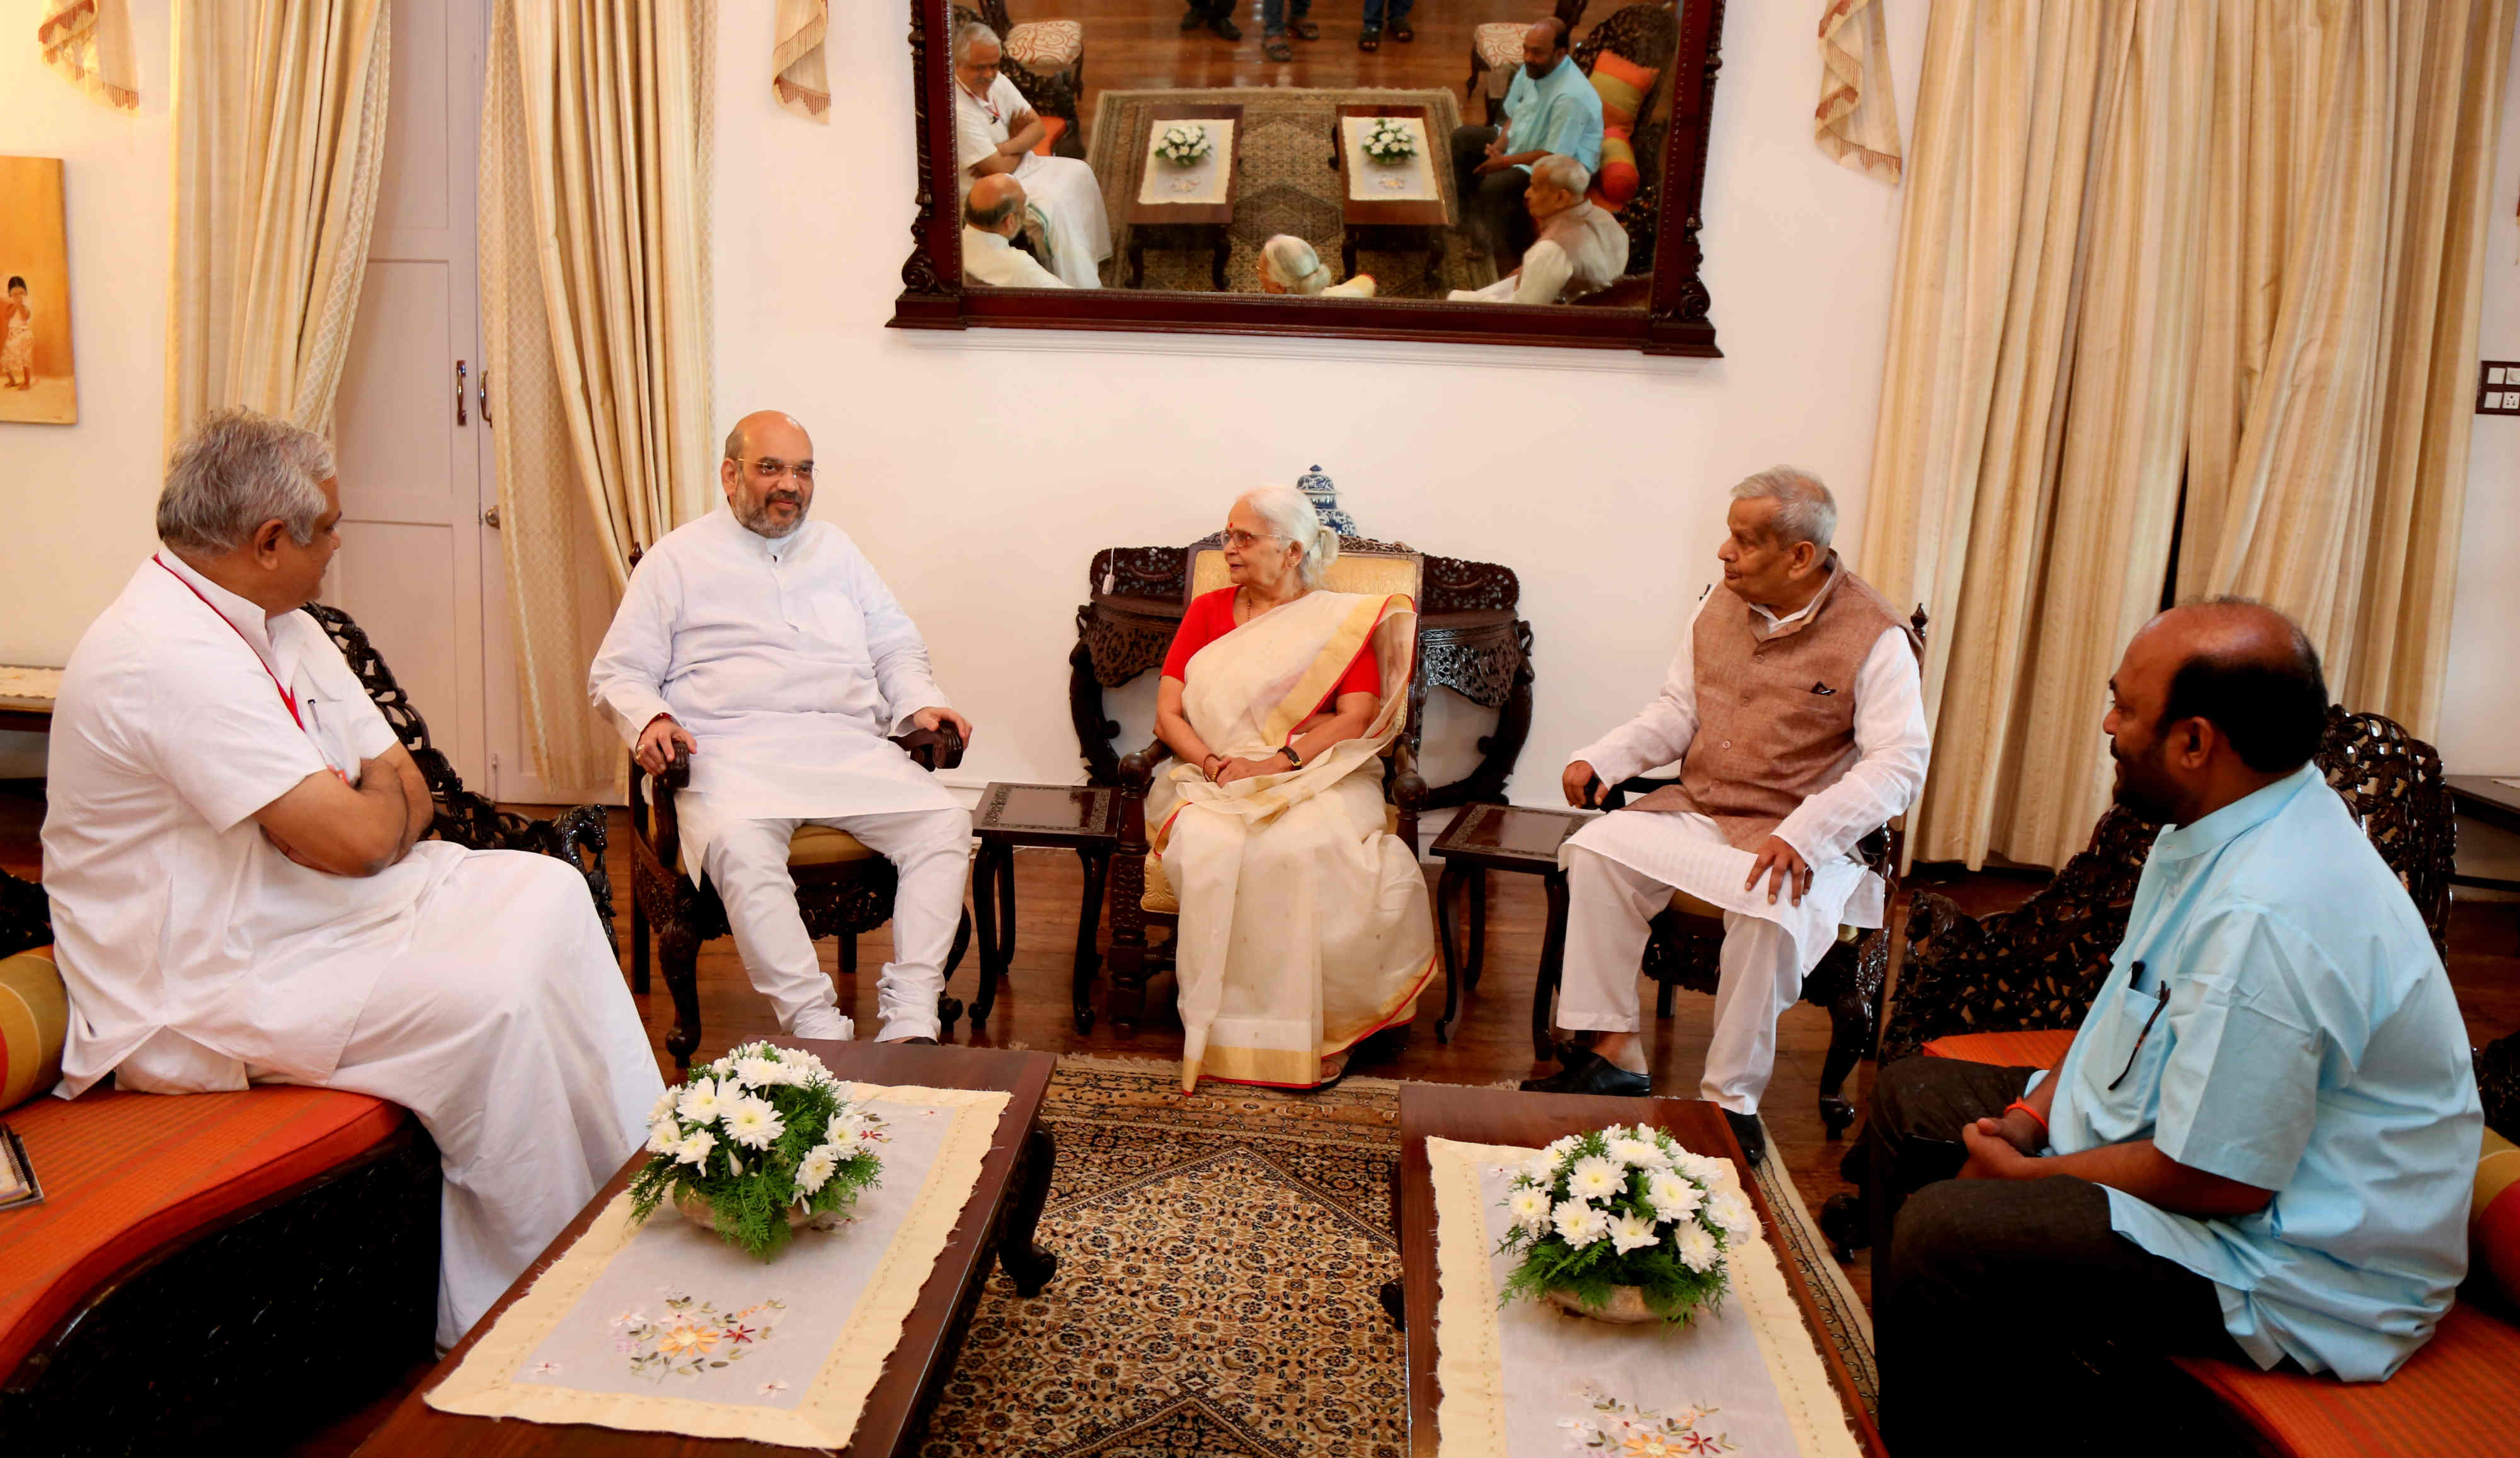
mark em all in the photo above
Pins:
pixel 981 470
pixel 79 499
pixel 2480 716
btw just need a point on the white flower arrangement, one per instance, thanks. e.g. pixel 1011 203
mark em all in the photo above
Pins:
pixel 1184 142
pixel 1389 140
pixel 763 1139
pixel 1625 1207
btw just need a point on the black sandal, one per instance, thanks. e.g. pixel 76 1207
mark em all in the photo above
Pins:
pixel 1402 33
pixel 1370 40
pixel 1304 29
pixel 1277 49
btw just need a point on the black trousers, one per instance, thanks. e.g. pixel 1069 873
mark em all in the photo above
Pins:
pixel 2008 1315
pixel 1491 205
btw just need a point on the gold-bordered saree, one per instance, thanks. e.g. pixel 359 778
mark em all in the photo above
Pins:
pixel 1304 921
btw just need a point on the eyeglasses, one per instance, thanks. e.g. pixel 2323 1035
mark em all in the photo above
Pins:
pixel 771 469
pixel 1246 541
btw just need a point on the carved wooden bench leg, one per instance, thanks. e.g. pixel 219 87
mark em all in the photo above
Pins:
pixel 1026 1265
pixel 638 945
pixel 1394 1297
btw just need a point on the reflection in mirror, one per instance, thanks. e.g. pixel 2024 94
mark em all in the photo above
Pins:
pixel 1270 147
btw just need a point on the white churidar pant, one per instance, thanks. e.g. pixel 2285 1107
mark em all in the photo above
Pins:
pixel 930 851
pixel 503 1025
pixel 1608 908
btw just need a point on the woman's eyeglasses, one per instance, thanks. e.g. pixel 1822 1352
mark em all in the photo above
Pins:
pixel 771 469
pixel 1246 541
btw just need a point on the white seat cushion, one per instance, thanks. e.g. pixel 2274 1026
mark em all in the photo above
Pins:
pixel 1499 43
pixel 1045 46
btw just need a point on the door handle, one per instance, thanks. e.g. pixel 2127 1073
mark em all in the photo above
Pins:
pixel 482 392
pixel 490 518
pixel 459 394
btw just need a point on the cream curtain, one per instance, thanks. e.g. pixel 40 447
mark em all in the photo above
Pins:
pixel 2123 265
pixel 89 42
pixel 280 127
pixel 595 311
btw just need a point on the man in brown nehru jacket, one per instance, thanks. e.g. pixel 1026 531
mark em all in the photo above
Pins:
pixel 1796 713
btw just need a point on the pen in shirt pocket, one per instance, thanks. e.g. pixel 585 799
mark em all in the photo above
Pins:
pixel 2161 1001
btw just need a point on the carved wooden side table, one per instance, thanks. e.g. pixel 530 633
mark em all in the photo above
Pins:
pixel 1472 641
pixel 1084 819
pixel 1500 837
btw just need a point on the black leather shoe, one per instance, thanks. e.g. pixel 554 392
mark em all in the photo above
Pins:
pixel 1226 28
pixel 1589 1071
pixel 1747 1132
pixel 929 1042
pixel 1193 19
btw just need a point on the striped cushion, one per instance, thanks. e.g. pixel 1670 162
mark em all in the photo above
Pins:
pixel 1622 86
pixel 1618 179
pixel 34 1021
pixel 2045 1048
pixel 1045 46
pixel 2493 1218
pixel 126 1173
pixel 1499 44
pixel 2456 1395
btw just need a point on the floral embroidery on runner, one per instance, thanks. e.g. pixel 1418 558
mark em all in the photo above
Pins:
pixel 1639 1433
pixel 693 1338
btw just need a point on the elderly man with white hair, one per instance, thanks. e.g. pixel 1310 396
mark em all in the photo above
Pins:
pixel 241 893
pixel 1581 249
pixel 768 649
pixel 1289 265
pixel 994 135
pixel 993 214
pixel 1796 713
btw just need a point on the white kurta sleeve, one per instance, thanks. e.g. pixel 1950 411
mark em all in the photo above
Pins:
pixel 893 643
pixel 627 679
pixel 1891 748
pixel 1545 268
pixel 1663 730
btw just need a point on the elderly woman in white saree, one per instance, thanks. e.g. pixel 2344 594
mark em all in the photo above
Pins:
pixel 1304 922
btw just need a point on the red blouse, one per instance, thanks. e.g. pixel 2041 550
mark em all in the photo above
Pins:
pixel 1211 617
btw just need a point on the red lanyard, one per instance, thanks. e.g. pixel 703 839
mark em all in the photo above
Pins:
pixel 286 700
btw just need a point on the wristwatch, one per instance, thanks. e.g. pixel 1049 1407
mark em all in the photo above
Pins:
pixel 1295 761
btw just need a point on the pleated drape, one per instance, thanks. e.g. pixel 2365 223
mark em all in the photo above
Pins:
pixel 280 126
pixel 595 312
pixel 2232 247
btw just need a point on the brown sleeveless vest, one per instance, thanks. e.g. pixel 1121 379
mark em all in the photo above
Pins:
pixel 1775 716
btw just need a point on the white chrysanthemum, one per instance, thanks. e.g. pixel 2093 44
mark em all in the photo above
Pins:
pixel 1632 1232
pixel 816 1169
pixel 722 1069
pixel 700 1102
pixel 696 1146
pixel 1541 1170
pixel 1560 1149
pixel 1595 1178
pixel 1644 1154
pixel 752 1122
pixel 1696 1248
pixel 1579 1224
pixel 1704 1168
pixel 1732 1214
pixel 848 1124
pixel 663 1105
pixel 758 1072
pixel 1530 1210
pixel 664 1133
pixel 1673 1197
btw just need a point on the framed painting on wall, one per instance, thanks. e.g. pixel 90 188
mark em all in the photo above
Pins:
pixel 36 383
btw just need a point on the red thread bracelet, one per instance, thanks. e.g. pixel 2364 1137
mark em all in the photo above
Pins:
pixel 2024 1106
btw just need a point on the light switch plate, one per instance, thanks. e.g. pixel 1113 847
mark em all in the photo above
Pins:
pixel 2493 393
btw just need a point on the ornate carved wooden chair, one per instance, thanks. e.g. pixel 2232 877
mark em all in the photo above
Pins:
pixel 1689 939
pixel 1045 59
pixel 1496 49
pixel 1140 899
pixel 843 887
pixel 1646 37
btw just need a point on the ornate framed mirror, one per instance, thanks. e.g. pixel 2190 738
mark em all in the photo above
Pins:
pixel 1194 187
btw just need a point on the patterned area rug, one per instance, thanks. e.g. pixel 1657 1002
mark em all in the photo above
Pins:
pixel 1286 185
pixel 1219 1258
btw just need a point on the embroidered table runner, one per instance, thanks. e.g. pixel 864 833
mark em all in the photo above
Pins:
pixel 1207 181
pixel 1412 180
pixel 1749 1379
pixel 665 1328
pixel 30 682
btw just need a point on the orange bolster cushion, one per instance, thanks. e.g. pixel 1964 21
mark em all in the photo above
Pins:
pixel 1051 127
pixel 1617 180
pixel 1622 86
pixel 34 1024
pixel 2493 1218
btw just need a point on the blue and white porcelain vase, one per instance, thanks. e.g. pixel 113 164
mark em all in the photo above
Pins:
pixel 1324 498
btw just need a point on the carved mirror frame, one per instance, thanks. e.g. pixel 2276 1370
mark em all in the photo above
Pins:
pixel 1674 320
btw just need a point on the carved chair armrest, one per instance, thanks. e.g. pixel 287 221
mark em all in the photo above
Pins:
pixel 1946 955
pixel 1136 775
pixel 1408 786
pixel 1639 785
pixel 662 829
pixel 939 748
pixel 1137 770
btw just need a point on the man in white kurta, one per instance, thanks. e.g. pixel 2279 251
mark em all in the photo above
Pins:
pixel 993 213
pixel 229 846
pixel 1581 249
pixel 766 647
pixel 993 134
pixel 1805 733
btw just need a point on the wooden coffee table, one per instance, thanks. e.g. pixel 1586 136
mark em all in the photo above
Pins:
pixel 1495 1116
pixel 1509 838
pixel 1084 819
pixel 1382 224
pixel 1184 225
pixel 998 1224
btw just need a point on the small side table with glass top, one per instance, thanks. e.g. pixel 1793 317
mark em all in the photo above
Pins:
pixel 1084 819
pixel 1500 837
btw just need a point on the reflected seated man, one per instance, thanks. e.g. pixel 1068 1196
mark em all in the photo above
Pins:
pixel 1581 249
pixel 1796 713
pixel 1551 109
pixel 1289 265
pixel 995 134
pixel 2261 1143
pixel 1305 926
pixel 993 214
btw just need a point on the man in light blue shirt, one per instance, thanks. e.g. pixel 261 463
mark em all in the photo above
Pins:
pixel 1551 110
pixel 2260 1144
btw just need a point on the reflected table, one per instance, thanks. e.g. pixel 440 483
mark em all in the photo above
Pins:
pixel 1398 225
pixel 1184 225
